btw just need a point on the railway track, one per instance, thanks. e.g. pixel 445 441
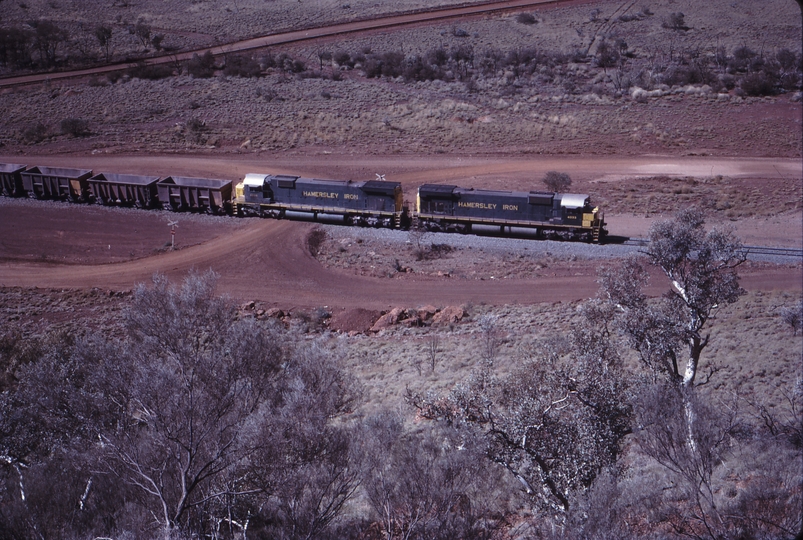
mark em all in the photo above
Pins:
pixel 307 34
pixel 793 253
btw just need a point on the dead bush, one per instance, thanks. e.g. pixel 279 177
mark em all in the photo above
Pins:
pixel 77 127
pixel 201 67
pixel 315 240
pixel 242 66
pixel 35 133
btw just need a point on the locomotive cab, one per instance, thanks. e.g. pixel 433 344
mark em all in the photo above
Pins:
pixel 256 189
pixel 569 208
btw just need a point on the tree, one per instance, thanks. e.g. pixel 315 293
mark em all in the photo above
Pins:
pixel 430 483
pixel 557 181
pixel 142 32
pixel 47 39
pixel 736 481
pixel 15 47
pixel 194 379
pixel 194 421
pixel 305 468
pixel 555 423
pixel 104 36
pixel 701 267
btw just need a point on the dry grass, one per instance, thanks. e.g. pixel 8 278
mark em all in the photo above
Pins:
pixel 722 197
pixel 562 107
pixel 758 355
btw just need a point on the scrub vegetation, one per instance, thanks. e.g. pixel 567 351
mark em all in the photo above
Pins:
pixel 622 416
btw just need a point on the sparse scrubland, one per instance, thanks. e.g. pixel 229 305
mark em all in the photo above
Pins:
pixel 172 412
pixel 577 80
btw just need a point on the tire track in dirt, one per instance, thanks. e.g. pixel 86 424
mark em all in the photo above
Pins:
pixel 268 261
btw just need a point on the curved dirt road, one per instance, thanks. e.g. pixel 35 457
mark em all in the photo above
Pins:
pixel 267 260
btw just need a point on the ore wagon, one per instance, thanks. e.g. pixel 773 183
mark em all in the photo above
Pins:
pixel 56 183
pixel 11 179
pixel 185 193
pixel 124 189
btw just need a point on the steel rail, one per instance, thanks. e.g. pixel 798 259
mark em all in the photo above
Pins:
pixel 796 253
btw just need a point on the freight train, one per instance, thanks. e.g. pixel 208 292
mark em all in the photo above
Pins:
pixel 377 202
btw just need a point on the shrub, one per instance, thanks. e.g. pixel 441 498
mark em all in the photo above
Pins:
pixel 343 58
pixel 741 59
pixel 389 64
pixel 195 129
pixel 557 181
pixel 151 72
pixel 315 240
pixel 526 18
pixel 608 54
pixel 682 75
pixel 77 127
pixel 793 317
pixel 201 67
pixel 35 133
pixel 242 66
pixel 677 21
pixel 758 84
pixel 287 63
